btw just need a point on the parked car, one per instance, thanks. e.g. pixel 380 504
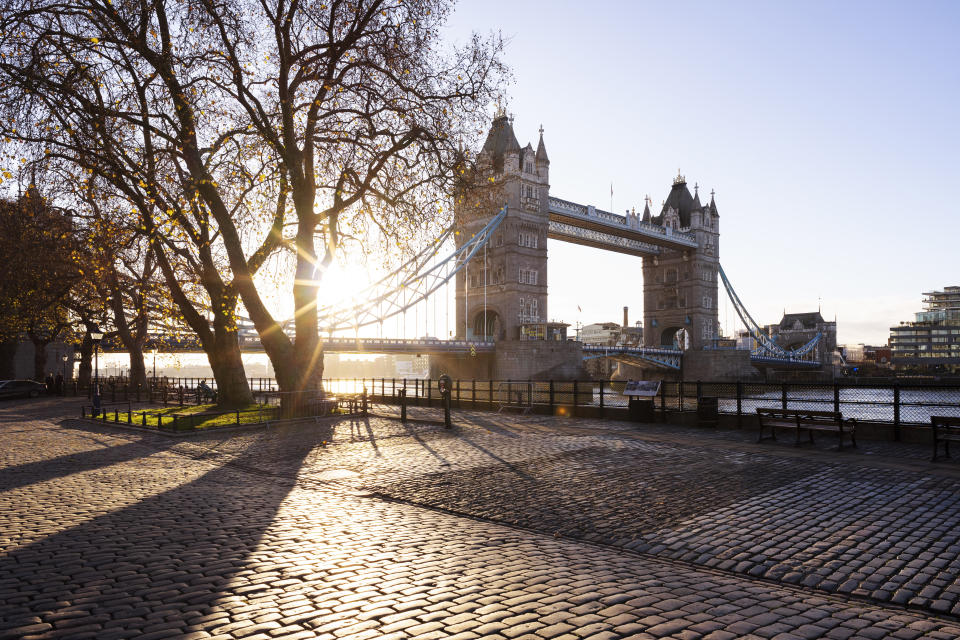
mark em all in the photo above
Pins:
pixel 21 389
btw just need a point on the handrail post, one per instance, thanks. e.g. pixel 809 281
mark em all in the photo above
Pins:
pixel 473 397
pixel 403 402
pixel 551 398
pixel 836 397
pixel 663 401
pixel 739 404
pixel 896 411
pixel 490 394
pixel 783 396
pixel 601 398
pixel 575 398
pixel 680 396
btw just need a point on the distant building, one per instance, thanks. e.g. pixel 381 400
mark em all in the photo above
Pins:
pixel 854 352
pixel 932 340
pixel 795 330
pixel 600 333
pixel 631 336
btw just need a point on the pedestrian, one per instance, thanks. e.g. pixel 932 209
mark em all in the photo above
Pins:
pixel 49 383
pixel 58 384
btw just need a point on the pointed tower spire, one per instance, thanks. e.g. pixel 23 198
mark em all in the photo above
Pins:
pixel 713 204
pixel 542 150
pixel 646 209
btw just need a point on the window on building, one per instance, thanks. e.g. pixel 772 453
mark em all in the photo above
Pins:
pixel 528 276
pixel 528 167
pixel 528 239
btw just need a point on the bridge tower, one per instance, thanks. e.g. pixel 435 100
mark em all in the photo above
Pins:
pixel 505 286
pixel 680 287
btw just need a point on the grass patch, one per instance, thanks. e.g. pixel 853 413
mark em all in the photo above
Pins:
pixel 193 416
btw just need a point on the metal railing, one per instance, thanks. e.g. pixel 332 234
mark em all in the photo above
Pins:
pixel 896 403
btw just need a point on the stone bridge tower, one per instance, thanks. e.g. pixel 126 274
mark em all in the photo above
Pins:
pixel 505 285
pixel 680 290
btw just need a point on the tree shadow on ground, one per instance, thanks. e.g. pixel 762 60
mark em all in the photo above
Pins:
pixel 165 559
pixel 51 468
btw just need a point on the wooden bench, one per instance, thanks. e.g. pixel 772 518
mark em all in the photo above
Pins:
pixel 806 419
pixel 946 429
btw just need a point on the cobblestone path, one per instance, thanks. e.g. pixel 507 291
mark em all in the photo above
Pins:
pixel 503 528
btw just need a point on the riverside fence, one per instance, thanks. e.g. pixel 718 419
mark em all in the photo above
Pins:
pixel 907 403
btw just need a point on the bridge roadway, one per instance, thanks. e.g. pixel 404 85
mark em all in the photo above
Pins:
pixel 592 227
pixel 420 346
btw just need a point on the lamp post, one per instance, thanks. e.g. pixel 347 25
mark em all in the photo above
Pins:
pixel 96 336
pixel 154 365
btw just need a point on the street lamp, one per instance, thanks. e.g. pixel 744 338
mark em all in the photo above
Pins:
pixel 154 365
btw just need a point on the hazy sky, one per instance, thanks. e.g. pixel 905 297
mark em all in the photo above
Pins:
pixel 829 131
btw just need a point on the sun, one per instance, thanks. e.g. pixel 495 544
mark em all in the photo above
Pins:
pixel 341 285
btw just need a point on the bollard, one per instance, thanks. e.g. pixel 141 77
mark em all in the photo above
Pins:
pixel 364 407
pixel 402 394
pixel 143 417
pixel 445 386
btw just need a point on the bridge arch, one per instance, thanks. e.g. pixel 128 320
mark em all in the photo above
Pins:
pixel 675 338
pixel 487 322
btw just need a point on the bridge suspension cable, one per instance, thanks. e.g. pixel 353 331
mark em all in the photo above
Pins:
pixel 766 346
pixel 408 285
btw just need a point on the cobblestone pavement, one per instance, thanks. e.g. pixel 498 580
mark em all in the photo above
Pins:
pixel 532 528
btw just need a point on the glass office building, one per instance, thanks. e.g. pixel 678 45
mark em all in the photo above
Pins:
pixel 932 341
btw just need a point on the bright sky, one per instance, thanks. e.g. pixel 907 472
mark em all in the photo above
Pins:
pixel 828 130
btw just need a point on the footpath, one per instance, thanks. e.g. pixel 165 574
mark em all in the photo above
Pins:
pixel 504 527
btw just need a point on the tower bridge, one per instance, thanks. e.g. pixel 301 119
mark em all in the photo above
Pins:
pixel 500 269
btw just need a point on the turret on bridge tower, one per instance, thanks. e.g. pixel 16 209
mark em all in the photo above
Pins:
pixel 680 287
pixel 505 287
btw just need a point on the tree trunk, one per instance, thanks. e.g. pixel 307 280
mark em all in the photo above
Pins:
pixel 233 390
pixel 138 369
pixel 85 370
pixel 8 359
pixel 40 359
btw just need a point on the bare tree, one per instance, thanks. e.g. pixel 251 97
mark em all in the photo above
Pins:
pixel 238 128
